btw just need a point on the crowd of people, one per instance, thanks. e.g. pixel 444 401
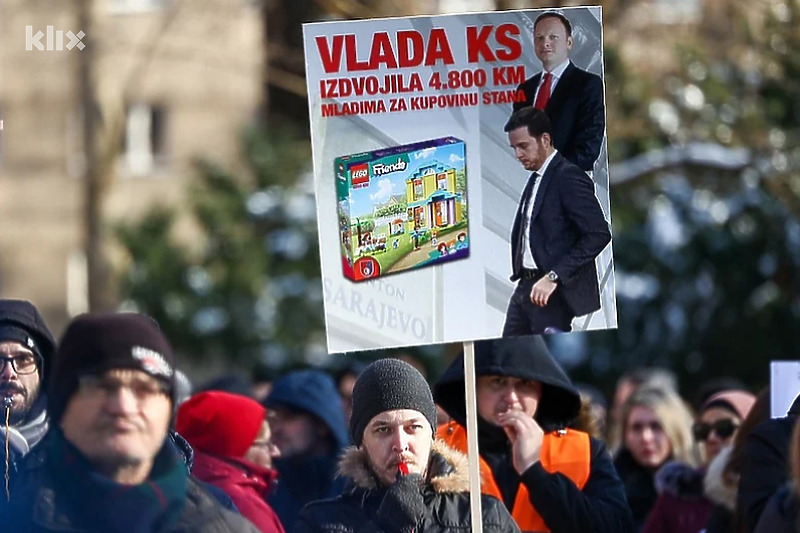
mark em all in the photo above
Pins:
pixel 101 434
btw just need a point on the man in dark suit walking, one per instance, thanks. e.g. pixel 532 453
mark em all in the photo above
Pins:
pixel 571 97
pixel 558 232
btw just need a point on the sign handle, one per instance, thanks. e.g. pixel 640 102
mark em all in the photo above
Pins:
pixel 472 439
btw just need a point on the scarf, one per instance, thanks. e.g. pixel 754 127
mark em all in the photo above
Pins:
pixel 26 435
pixel 109 506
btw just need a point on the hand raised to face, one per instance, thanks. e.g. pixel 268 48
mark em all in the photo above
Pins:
pixel 526 438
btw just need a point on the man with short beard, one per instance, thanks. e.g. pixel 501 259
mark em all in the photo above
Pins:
pixel 400 479
pixel 26 348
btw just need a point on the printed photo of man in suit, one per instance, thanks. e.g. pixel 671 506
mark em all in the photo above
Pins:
pixel 559 229
pixel 571 97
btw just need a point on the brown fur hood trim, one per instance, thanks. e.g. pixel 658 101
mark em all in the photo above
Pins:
pixel 448 470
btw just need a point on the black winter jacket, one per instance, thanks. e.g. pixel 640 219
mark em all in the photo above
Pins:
pixel 781 513
pixel 766 466
pixel 356 510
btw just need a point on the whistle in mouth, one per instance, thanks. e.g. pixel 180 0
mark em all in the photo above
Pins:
pixel 8 401
pixel 403 468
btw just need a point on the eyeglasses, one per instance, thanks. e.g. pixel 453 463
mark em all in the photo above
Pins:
pixel 724 428
pixel 105 387
pixel 23 364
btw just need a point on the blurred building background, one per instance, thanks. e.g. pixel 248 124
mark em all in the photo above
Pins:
pixel 169 81
pixel 165 168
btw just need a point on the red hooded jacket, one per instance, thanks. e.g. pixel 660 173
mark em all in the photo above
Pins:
pixel 221 427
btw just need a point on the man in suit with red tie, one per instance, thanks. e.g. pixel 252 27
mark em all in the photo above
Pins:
pixel 571 97
pixel 558 231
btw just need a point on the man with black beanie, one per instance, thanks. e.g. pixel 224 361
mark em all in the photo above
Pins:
pixel 550 478
pixel 400 479
pixel 106 463
pixel 26 349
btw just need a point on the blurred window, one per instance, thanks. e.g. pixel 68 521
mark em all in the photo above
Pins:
pixel 144 139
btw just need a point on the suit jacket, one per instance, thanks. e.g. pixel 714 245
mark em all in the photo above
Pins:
pixel 567 232
pixel 577 112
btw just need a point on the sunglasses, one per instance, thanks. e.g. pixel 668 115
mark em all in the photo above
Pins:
pixel 724 428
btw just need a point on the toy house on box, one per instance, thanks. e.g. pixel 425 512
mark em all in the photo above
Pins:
pixel 402 207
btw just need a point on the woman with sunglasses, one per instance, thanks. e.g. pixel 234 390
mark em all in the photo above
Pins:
pixel 233 451
pixel 682 505
pixel 655 428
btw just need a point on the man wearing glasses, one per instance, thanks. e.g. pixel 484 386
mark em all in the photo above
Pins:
pixel 26 349
pixel 106 463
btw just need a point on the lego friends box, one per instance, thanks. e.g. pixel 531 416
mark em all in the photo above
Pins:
pixel 401 208
pixel 417 186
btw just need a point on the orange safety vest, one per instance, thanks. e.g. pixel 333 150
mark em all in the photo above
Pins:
pixel 567 452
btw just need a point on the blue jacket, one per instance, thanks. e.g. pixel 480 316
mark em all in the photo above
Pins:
pixel 305 479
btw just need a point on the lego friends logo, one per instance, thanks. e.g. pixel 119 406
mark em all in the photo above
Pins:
pixel 380 168
pixel 359 175
pixel 366 267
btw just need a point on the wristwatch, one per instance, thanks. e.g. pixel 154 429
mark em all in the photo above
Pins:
pixel 552 276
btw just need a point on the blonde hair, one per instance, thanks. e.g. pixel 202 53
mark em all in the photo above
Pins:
pixel 673 415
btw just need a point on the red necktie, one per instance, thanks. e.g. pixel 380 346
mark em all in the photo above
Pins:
pixel 544 92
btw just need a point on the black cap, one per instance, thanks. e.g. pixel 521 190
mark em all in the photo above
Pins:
pixel 386 385
pixel 96 343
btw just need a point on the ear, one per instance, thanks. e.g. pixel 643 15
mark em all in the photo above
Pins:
pixel 546 137
pixel 569 42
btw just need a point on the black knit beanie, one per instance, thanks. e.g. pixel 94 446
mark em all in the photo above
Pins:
pixel 96 343
pixel 21 322
pixel 385 385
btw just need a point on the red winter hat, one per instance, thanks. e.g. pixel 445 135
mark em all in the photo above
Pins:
pixel 220 423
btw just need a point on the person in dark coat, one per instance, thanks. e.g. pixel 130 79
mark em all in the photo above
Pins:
pixel 765 466
pixel 106 463
pixel 655 428
pixel 399 479
pixel 571 97
pixel 549 478
pixel 233 451
pixel 559 230
pixel 26 350
pixel 309 429
pixel 782 512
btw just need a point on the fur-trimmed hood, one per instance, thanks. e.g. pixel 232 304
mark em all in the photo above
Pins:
pixel 448 469
pixel 716 487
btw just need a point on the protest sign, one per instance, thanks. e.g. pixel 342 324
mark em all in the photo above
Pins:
pixel 417 186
